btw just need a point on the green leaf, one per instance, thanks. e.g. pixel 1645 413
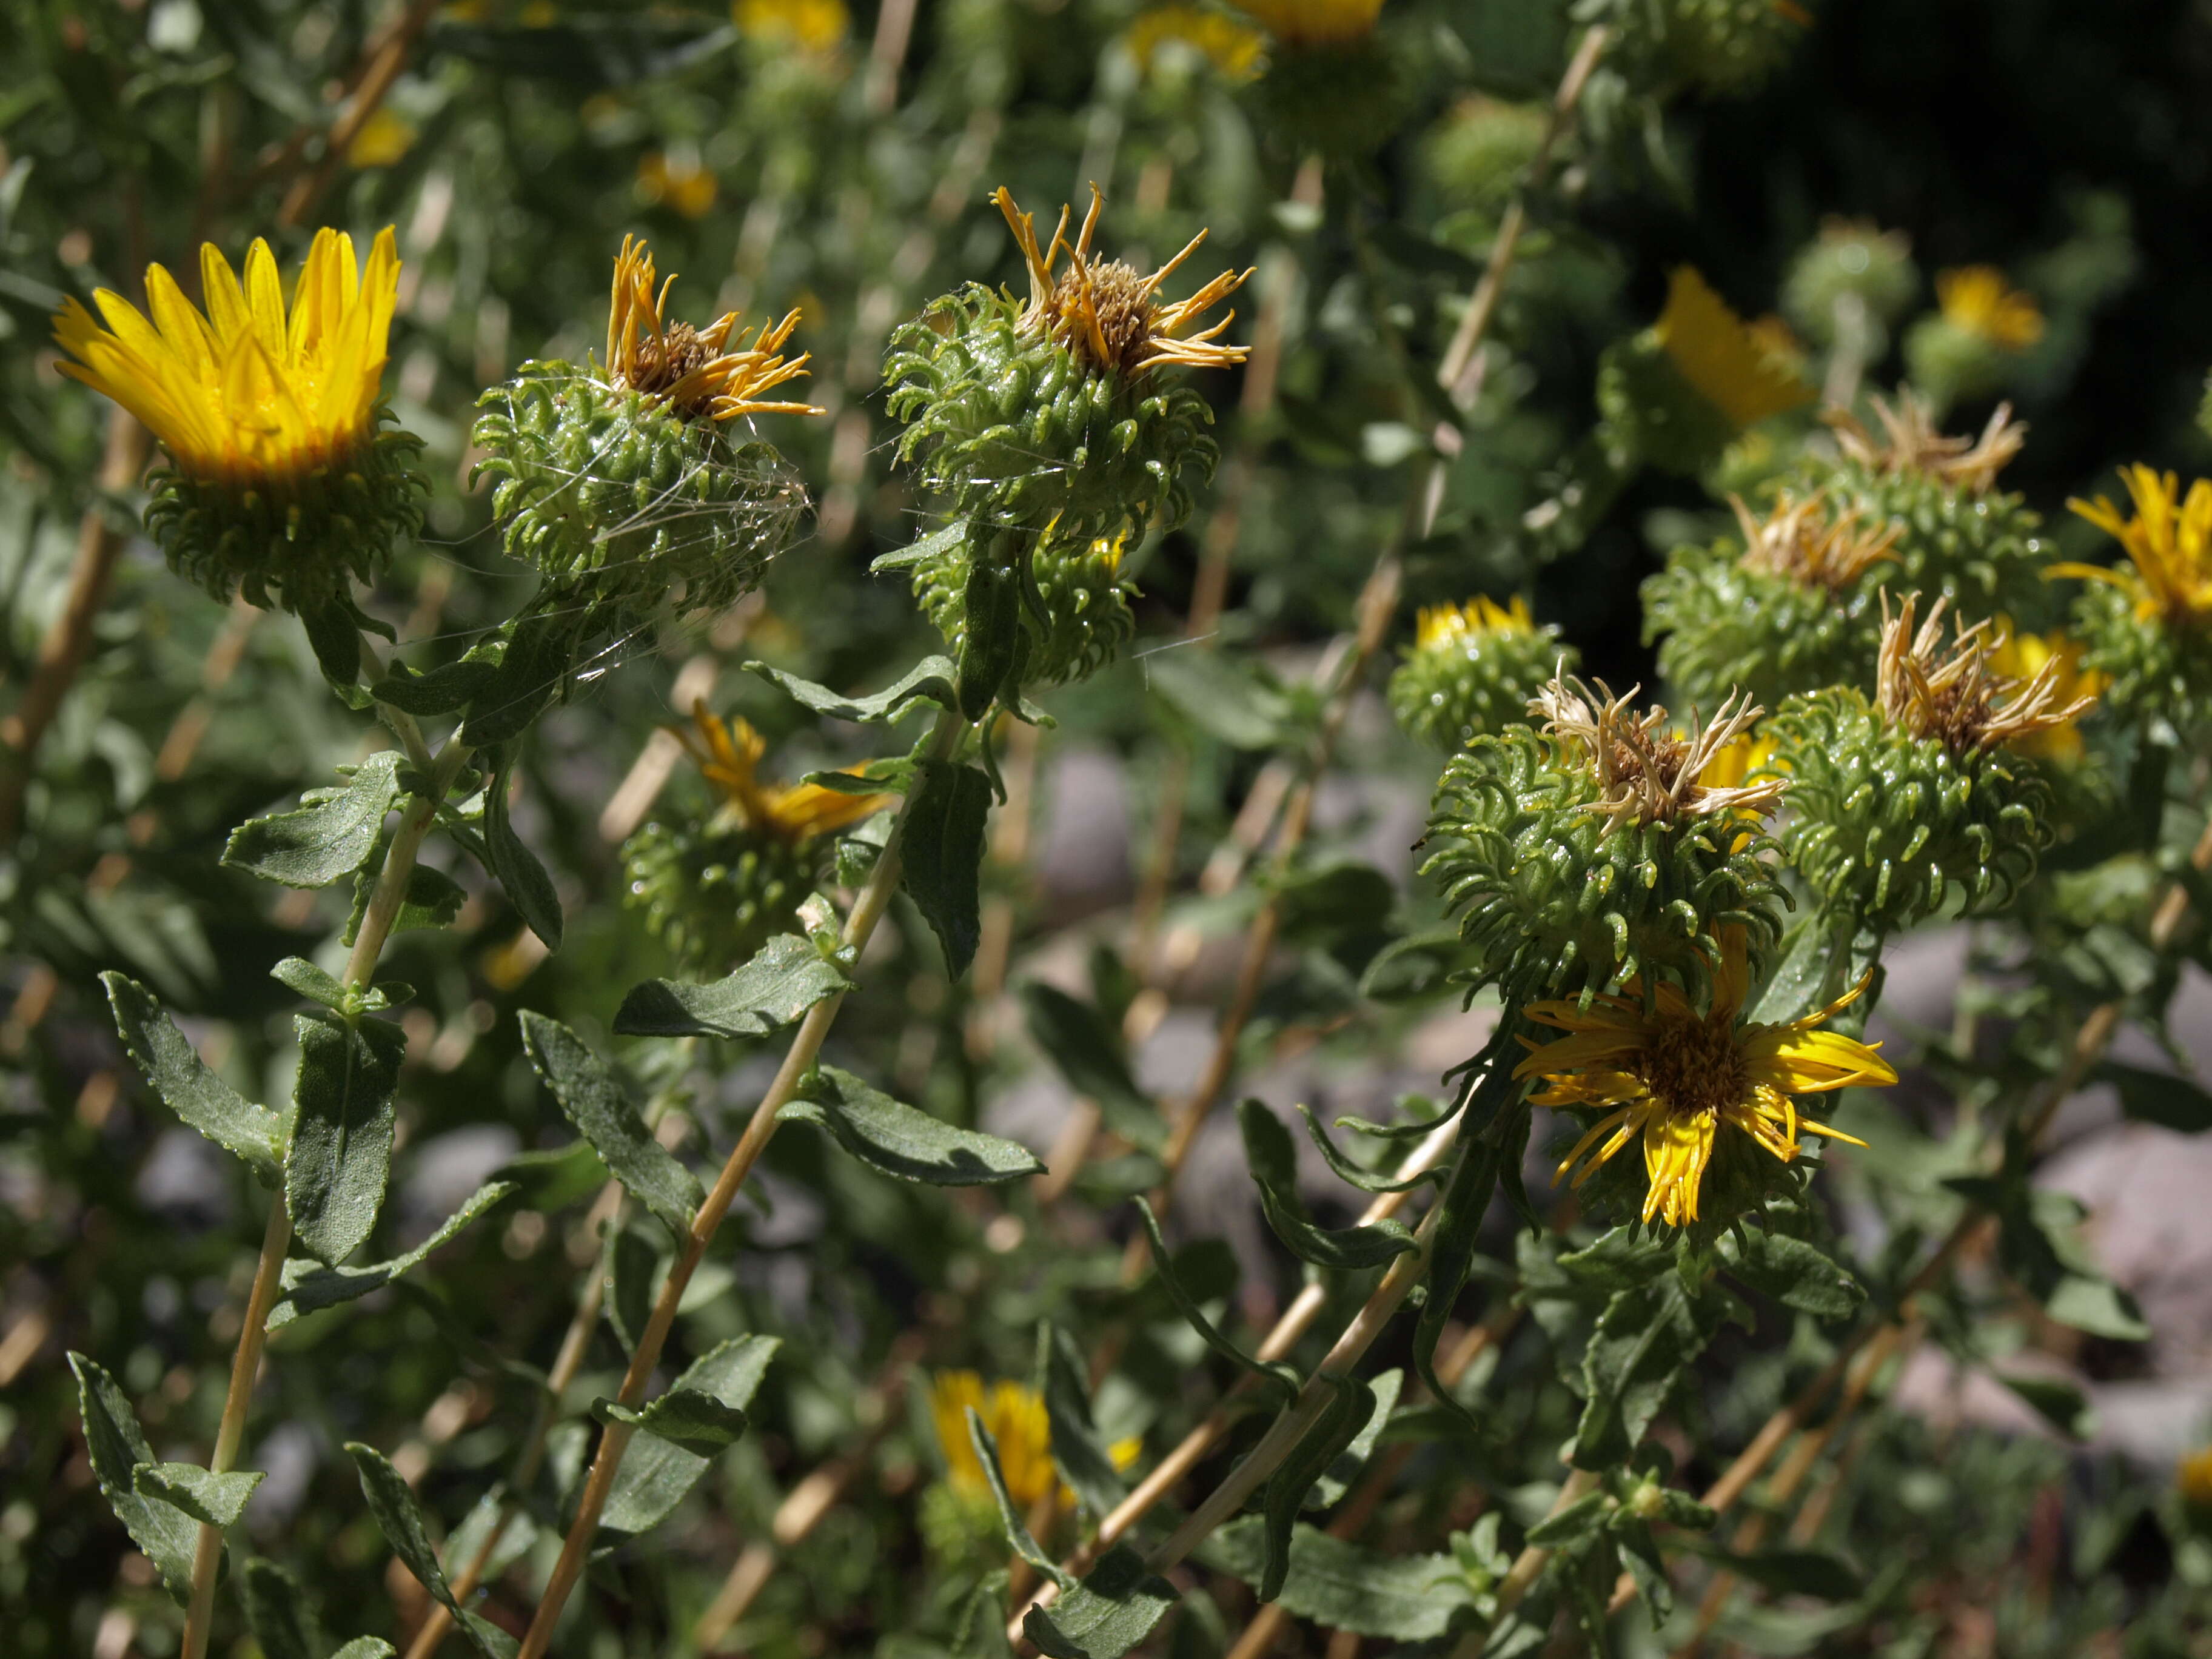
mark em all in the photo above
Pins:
pixel 944 854
pixel 2039 1243
pixel 1579 1520
pixel 1343 1586
pixel 1218 695
pixel 656 1474
pixel 1647 1336
pixel 1324 902
pixel 117 1445
pixel 1010 1515
pixel 315 844
pixel 980 1631
pixel 785 978
pixel 1278 1381
pixel 2160 1097
pixel 904 1140
pixel 1367 1181
pixel 177 1074
pixel 1797 1274
pixel 694 1422
pixel 400 1518
pixel 309 1287
pixel 1114 1608
pixel 433 899
pixel 1784 1571
pixel 298 974
pixel 1348 1410
pixel 632 1265
pixel 556 1177
pixel 212 1499
pixel 931 680
pixel 2093 1303
pixel 1414 968
pixel 594 1101
pixel 279 1612
pixel 443 690
pixel 1083 1458
pixel 922 549
pixel 367 1647
pixel 333 632
pixel 2059 1402
pixel 1332 1482
pixel 528 887
pixel 340 1156
pixel 517 1531
pixel 541 648
pixel 1089 1053
pixel 1272 1156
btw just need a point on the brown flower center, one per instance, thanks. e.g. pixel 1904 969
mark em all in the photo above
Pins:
pixel 657 362
pixel 1693 1065
pixel 1115 297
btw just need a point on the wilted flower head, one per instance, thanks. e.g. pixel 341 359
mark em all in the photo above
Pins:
pixel 1955 696
pixel 728 754
pixel 1910 443
pixel 1106 312
pixel 1800 540
pixel 1646 772
pixel 1672 1077
pixel 692 372
pixel 1977 299
pixel 2168 545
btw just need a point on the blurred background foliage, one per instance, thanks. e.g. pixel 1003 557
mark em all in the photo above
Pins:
pixel 792 152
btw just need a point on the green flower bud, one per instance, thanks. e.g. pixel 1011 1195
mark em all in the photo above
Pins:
pixel 1473 669
pixel 1724 48
pixel 1603 848
pixel 1906 802
pixel 1053 416
pixel 1957 535
pixel 1853 276
pixel 621 482
pixel 1791 610
pixel 1343 99
pixel 1477 153
pixel 715 895
pixel 1084 597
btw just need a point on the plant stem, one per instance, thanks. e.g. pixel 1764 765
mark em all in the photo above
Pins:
pixel 867 910
pixel 277 1240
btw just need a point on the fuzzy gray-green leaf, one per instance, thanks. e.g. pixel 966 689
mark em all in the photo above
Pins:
pixel 178 1074
pixel 318 843
pixel 309 1286
pixel 340 1156
pixel 785 978
pixel 930 679
pixel 212 1499
pixel 1343 1586
pixel 904 1140
pixel 944 854
pixel 656 1474
pixel 1115 1606
pixel 594 1101
pixel 400 1517
pixel 117 1445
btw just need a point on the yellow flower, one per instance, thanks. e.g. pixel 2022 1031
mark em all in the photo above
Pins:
pixel 681 183
pixel 383 139
pixel 1724 360
pixel 2023 657
pixel 1976 301
pixel 1228 45
pixel 1953 697
pixel 2192 1479
pixel 1105 311
pixel 1017 1419
pixel 810 25
pixel 2168 543
pixel 1456 624
pixel 1314 22
pixel 729 756
pixel 247 394
pixel 1673 1077
pixel 691 369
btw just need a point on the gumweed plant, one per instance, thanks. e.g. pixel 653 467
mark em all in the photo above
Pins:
pixel 1323 1123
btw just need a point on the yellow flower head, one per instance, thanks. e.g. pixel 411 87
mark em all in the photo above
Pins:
pixel 1976 300
pixel 247 394
pixel 2168 543
pixel 1228 45
pixel 1104 313
pixel 1798 540
pixel 1462 624
pixel 729 756
pixel 680 184
pixel 2023 657
pixel 1724 361
pixel 1017 1419
pixel 2192 1479
pixel 383 139
pixel 694 371
pixel 1673 1077
pixel 810 25
pixel 1647 772
pixel 1957 697
pixel 1314 22
pixel 1910 443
